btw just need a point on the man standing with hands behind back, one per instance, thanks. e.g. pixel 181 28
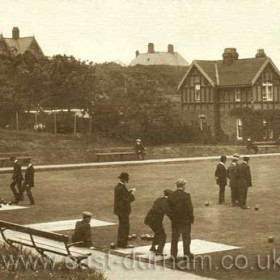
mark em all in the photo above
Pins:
pixel 122 208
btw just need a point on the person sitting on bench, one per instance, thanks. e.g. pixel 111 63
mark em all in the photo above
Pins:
pixel 139 149
pixel 82 232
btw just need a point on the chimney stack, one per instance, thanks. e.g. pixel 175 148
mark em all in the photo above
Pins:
pixel 137 53
pixel 170 48
pixel 151 48
pixel 15 33
pixel 260 53
pixel 230 55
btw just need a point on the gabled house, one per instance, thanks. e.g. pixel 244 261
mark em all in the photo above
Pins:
pixel 19 45
pixel 233 98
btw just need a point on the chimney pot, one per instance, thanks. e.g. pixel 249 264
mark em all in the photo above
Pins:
pixel 170 48
pixel 15 33
pixel 151 48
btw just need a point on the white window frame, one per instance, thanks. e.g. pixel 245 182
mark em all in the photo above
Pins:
pixel 267 91
pixel 202 122
pixel 237 93
pixel 197 92
pixel 239 128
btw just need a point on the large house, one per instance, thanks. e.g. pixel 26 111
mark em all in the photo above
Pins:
pixel 233 98
pixel 19 45
pixel 152 57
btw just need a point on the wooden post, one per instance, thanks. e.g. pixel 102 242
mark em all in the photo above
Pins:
pixel 17 120
pixel 54 117
pixel 75 123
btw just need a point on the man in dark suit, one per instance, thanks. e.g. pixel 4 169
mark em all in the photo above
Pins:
pixel 233 183
pixel 244 181
pixel 82 232
pixel 221 178
pixel 28 183
pixel 181 215
pixel 154 220
pixel 16 180
pixel 140 150
pixel 122 208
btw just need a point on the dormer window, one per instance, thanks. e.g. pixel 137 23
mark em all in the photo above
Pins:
pixel 267 91
pixel 237 95
pixel 197 92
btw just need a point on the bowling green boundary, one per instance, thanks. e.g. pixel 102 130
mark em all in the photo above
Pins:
pixel 65 194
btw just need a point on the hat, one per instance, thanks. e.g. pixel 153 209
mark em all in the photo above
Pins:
pixel 236 155
pixel 124 176
pixel 138 140
pixel 87 214
pixel 181 182
pixel 167 192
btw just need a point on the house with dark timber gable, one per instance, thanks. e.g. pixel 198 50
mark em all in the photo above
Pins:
pixel 234 98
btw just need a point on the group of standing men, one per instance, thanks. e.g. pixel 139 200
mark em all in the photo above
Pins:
pixel 240 179
pixel 18 188
pixel 177 205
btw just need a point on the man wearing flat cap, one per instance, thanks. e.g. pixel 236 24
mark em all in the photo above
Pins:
pixel 233 181
pixel 221 178
pixel 244 181
pixel 122 208
pixel 181 215
pixel 82 232
pixel 154 220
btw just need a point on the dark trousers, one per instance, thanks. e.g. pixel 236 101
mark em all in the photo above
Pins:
pixel 185 231
pixel 123 230
pixel 17 190
pixel 140 155
pixel 234 195
pixel 159 236
pixel 222 189
pixel 243 196
pixel 28 193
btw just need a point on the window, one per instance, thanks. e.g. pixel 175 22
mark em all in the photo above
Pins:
pixel 267 91
pixel 237 95
pixel 197 93
pixel 202 122
pixel 239 129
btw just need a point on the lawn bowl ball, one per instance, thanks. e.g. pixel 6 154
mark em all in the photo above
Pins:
pixel 113 246
pixel 148 236
pixel 143 236
pixel 5 202
pixel 206 203
pixel 10 203
pixel 134 236
pixel 270 239
pixel 129 237
pixel 257 207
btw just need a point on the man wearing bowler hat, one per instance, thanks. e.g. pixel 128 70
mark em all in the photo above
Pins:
pixel 122 208
pixel 181 215
pixel 244 181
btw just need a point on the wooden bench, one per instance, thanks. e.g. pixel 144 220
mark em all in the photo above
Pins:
pixel 41 241
pixel 258 145
pixel 21 156
pixel 116 153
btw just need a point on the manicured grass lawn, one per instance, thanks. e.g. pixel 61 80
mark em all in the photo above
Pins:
pixel 63 195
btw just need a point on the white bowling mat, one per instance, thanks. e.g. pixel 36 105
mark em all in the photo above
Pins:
pixel 66 225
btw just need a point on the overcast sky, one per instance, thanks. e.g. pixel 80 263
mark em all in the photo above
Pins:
pixel 107 30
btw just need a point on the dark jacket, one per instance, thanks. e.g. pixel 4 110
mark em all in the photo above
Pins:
pixel 82 233
pixel 139 148
pixel 17 174
pixel 181 209
pixel 221 174
pixel 29 176
pixel 123 198
pixel 232 175
pixel 157 212
pixel 244 175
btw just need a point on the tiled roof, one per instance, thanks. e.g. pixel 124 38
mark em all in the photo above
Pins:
pixel 21 44
pixel 160 58
pixel 239 72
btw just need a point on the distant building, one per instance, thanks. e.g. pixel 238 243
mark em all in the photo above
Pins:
pixel 152 57
pixel 19 45
pixel 234 98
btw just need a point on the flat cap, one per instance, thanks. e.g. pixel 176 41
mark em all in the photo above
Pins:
pixel 87 214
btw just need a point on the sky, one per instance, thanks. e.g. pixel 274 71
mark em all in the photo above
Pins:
pixel 109 30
